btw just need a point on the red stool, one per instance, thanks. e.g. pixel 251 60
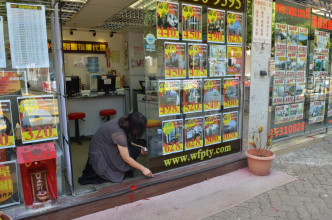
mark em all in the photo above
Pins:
pixel 107 113
pixel 77 116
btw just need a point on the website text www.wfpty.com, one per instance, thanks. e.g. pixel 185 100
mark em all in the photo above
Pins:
pixel 201 154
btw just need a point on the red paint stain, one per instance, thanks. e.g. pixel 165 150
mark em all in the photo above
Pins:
pixel 275 209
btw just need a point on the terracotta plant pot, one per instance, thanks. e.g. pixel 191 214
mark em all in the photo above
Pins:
pixel 5 217
pixel 259 166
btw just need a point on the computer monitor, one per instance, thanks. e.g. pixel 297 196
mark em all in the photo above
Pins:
pixel 73 85
pixel 106 84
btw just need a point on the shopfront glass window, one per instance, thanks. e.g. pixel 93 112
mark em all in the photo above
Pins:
pixel 194 81
pixel 29 148
pixel 300 83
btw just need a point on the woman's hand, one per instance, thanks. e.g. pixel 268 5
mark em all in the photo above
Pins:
pixel 146 172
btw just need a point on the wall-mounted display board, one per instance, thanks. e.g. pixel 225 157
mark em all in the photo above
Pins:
pixel 9 194
pixel 299 98
pixel 27 35
pixel 196 84
pixel 38 118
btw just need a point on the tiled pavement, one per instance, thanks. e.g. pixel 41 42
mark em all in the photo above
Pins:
pixel 309 197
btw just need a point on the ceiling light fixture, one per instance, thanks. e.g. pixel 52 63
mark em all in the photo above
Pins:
pixel 71 31
pixel 112 33
pixel 93 33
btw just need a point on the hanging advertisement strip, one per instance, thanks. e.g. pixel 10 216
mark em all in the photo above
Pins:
pixel 280 37
pixel 316 111
pixel 197 58
pixel 212 94
pixel 234 60
pixel 234 28
pixel 191 22
pixel 175 60
pixel 6 125
pixel 321 42
pixel 329 110
pixel 320 65
pixel 38 118
pixel 280 60
pixel 230 126
pixel 300 89
pixel 262 12
pixel 10 82
pixel 29 23
pixel 192 96
pixel 278 91
pixel 172 136
pixel 231 93
pixel 212 131
pixel 301 65
pixel 292 38
pixel 281 114
pixel 169 97
pixel 167 20
pixel 2 45
pixel 303 40
pixel 217 60
pixel 296 111
pixel 289 90
pixel 9 194
pixel 193 133
pixel 216 26
pixel 291 64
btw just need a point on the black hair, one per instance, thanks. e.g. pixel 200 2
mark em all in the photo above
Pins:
pixel 134 125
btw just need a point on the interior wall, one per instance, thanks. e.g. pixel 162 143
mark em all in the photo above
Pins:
pixel 75 63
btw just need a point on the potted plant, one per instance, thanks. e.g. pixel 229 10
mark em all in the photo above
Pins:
pixel 5 217
pixel 260 156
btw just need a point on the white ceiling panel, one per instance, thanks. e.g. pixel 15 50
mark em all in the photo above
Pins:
pixel 112 3
pixel 92 15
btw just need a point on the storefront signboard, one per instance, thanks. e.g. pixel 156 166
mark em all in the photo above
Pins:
pixel 10 82
pixel 217 60
pixel 316 111
pixel 191 22
pixel 6 125
pixel 233 5
pixel 296 111
pixel 172 137
pixel 169 98
pixel 216 26
pixel 234 28
pixel 262 13
pixel 197 60
pixel 167 20
pixel 288 129
pixel 175 60
pixel 27 35
pixel 69 46
pixel 212 94
pixel 212 129
pixel 234 60
pixel 192 96
pixel 38 118
pixel 193 133
pixel 231 93
pixel 300 89
pixel 8 184
pixel 278 91
pixel 230 126
pixel 2 45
